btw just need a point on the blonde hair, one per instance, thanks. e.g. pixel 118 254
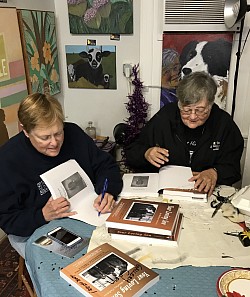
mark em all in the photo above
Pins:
pixel 39 109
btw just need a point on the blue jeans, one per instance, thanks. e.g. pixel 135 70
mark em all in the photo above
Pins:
pixel 18 243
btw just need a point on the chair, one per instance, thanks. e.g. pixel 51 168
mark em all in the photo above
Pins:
pixel 22 279
pixel 18 244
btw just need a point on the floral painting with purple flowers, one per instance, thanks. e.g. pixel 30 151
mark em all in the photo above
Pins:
pixel 100 16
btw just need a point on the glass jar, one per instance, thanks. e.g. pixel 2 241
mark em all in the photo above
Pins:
pixel 91 130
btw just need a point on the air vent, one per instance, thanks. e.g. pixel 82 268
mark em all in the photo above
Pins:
pixel 196 15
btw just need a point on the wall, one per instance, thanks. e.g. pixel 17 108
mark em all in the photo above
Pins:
pixel 104 107
pixel 22 4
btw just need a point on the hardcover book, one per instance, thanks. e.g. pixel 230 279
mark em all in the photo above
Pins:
pixel 172 180
pixel 107 271
pixel 149 238
pixel 69 180
pixel 144 216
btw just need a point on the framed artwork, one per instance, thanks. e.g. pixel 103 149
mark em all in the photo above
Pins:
pixel 184 53
pixel 100 17
pixel 38 33
pixel 13 87
pixel 91 67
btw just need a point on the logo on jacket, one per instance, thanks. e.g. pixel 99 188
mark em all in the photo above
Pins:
pixel 43 189
pixel 215 146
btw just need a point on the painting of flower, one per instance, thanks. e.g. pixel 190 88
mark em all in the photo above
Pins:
pixel 40 48
pixel 100 16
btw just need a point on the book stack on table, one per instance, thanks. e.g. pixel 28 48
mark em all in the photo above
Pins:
pixel 147 222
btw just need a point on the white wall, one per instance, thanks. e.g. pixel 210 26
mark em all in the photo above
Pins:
pixel 104 107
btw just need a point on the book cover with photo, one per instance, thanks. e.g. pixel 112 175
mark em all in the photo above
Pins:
pixel 171 180
pixel 107 271
pixel 149 238
pixel 144 216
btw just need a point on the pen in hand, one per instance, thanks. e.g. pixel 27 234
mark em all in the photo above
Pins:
pixel 105 186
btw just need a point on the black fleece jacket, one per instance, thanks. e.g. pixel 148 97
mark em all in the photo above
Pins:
pixel 220 146
pixel 22 192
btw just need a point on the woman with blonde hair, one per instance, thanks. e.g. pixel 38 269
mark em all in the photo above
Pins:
pixel 45 142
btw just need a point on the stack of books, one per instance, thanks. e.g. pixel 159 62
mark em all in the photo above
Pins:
pixel 147 222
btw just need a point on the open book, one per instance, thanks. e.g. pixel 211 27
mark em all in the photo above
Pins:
pixel 172 180
pixel 69 180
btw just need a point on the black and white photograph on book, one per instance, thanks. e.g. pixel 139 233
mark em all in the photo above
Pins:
pixel 107 271
pixel 143 212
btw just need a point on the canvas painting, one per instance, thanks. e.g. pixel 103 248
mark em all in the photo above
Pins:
pixel 184 53
pixel 100 16
pixel 40 48
pixel 91 67
pixel 13 87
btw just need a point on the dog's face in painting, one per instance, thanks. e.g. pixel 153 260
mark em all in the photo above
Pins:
pixel 212 57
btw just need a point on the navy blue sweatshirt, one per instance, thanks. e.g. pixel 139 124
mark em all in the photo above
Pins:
pixel 22 192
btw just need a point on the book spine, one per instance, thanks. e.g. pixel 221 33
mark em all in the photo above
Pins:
pixel 185 192
pixel 138 233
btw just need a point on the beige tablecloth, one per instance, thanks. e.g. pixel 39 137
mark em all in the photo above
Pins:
pixel 201 243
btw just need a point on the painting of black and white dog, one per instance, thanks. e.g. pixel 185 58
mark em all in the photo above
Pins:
pixel 212 57
pixel 89 65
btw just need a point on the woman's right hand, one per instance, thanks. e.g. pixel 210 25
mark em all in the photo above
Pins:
pixel 56 209
pixel 157 156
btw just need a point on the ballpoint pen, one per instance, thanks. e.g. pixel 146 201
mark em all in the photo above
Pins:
pixel 105 186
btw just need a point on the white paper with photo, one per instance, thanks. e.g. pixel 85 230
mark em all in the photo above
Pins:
pixel 140 184
pixel 70 181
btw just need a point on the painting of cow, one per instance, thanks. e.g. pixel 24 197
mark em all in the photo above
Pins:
pixel 91 67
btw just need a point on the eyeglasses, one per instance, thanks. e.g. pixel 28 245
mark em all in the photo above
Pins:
pixel 199 111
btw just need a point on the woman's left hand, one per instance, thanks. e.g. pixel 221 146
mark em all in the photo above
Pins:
pixel 205 180
pixel 106 205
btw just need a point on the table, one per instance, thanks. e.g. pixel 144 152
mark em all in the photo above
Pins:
pixel 105 144
pixel 44 266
